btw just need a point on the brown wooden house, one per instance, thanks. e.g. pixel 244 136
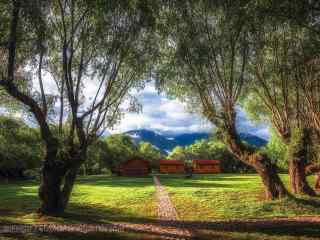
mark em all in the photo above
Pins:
pixel 171 166
pixel 133 167
pixel 206 166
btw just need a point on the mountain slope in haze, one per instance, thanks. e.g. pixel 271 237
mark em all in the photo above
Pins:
pixel 253 139
pixel 190 138
pixel 167 142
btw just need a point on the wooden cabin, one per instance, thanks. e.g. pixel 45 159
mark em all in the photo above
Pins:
pixel 206 166
pixel 171 166
pixel 133 167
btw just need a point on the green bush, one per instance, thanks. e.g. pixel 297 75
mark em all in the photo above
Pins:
pixel 20 147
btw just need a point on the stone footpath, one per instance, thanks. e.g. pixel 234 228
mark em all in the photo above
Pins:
pixel 167 212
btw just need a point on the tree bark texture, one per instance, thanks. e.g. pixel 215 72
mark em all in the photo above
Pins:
pixel 267 170
pixel 57 184
pixel 298 160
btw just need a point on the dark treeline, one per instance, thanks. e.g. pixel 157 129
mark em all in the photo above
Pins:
pixel 22 152
pixel 70 64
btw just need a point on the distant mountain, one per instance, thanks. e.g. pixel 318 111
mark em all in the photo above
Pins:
pixel 164 143
pixel 190 138
pixel 168 142
pixel 253 140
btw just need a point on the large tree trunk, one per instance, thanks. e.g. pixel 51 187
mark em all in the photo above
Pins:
pixel 57 184
pixel 51 180
pixel 55 189
pixel 77 158
pixel 69 181
pixel 314 168
pixel 298 159
pixel 274 187
pixel 298 180
pixel 50 191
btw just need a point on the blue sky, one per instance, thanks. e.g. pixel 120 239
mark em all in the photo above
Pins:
pixel 170 116
pixel 162 114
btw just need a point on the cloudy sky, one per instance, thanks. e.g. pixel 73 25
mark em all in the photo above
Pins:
pixel 159 113
pixel 170 116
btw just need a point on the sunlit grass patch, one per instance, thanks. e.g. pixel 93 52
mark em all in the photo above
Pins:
pixel 94 199
pixel 231 196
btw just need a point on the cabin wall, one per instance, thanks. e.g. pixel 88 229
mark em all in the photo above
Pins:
pixel 135 172
pixel 134 168
pixel 201 168
pixel 171 169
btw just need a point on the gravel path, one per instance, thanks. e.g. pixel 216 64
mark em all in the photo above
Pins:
pixel 166 210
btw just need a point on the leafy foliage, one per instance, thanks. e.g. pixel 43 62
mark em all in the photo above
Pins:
pixel 277 151
pixel 149 152
pixel 118 148
pixel 20 147
pixel 209 150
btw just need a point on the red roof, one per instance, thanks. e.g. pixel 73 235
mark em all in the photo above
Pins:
pixel 171 162
pixel 206 162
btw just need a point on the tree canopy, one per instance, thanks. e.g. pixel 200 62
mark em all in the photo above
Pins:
pixel 71 65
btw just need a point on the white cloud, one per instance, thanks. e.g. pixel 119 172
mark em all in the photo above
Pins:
pixel 170 116
pixel 159 112
pixel 245 125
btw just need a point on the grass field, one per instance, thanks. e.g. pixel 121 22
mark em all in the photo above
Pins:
pixel 224 197
pixel 231 196
pixel 95 199
pixel 205 198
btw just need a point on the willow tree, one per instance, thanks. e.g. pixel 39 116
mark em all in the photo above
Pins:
pixel 101 44
pixel 210 47
pixel 309 71
pixel 277 57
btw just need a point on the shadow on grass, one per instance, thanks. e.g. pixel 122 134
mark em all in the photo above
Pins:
pixel 206 181
pixel 75 213
pixel 80 236
pixel 96 180
pixel 18 203
pixel 16 200
pixel 220 229
pixel 210 177
pixel 274 229
pixel 295 227
pixel 308 202
pixel 116 181
pixel 100 214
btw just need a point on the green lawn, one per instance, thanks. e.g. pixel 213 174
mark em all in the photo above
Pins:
pixel 231 196
pixel 224 197
pixel 203 198
pixel 95 199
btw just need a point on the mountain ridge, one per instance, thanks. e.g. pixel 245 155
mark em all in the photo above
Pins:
pixel 166 143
